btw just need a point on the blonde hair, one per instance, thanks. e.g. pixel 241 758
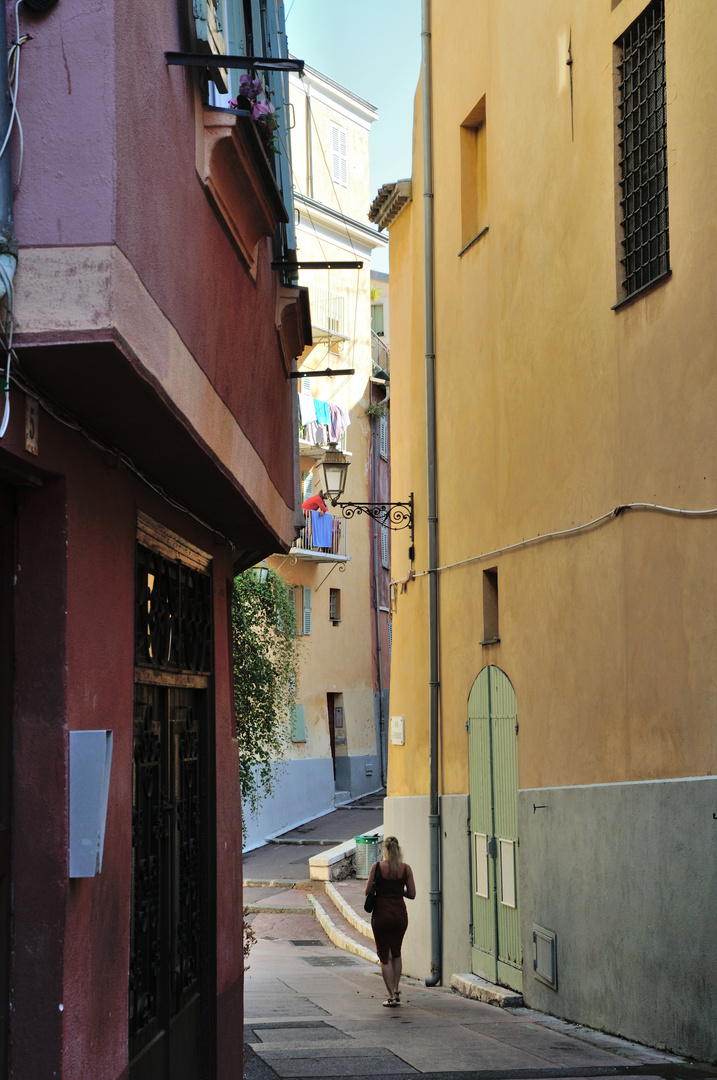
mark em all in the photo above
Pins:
pixel 392 854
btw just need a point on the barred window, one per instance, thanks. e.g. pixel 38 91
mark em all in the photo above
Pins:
pixel 643 150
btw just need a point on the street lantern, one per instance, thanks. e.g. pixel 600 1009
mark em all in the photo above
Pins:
pixel 335 467
pixel 394 515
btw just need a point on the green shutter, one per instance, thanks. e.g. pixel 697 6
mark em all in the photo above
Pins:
pixel 298 724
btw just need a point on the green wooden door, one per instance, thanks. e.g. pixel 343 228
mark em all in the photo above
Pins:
pixel 493 766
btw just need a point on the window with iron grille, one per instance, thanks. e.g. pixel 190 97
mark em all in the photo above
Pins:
pixel 335 605
pixel 642 146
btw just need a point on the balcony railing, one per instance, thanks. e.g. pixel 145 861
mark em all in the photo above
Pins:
pixel 309 541
pixel 380 353
pixel 327 310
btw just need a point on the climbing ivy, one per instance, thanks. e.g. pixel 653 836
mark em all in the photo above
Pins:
pixel 265 678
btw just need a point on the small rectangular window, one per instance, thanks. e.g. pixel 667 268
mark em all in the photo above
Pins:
pixel 383 437
pixel 307 484
pixel 480 864
pixel 377 318
pixel 335 606
pixel 339 156
pixel 642 152
pixel 508 894
pixel 490 607
pixel 305 385
pixel 474 174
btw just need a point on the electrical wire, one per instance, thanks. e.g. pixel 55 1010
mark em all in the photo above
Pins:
pixel 6 336
pixel 681 512
pixel 8 321
pixel 115 452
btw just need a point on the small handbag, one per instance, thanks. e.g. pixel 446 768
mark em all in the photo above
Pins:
pixel 370 902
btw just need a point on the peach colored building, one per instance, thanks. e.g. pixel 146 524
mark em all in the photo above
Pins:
pixel 553 757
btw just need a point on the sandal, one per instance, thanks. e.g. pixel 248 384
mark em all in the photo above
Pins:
pixel 397 997
pixel 389 1003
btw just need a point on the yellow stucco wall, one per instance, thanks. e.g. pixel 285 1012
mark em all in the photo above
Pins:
pixel 553 408
pixel 336 659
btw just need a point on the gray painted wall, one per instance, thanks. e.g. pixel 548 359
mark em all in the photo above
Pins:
pixel 626 876
pixel 406 818
pixel 351 774
pixel 304 790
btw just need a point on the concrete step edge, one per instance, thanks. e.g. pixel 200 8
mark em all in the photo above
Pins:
pixel 347 911
pixel 472 986
pixel 341 940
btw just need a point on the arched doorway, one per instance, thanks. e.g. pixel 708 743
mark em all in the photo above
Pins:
pixel 493 767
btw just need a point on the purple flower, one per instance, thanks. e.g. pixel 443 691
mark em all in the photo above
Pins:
pixel 261 110
pixel 250 86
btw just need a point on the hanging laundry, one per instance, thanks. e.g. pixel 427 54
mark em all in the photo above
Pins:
pixel 321 529
pixel 307 409
pixel 315 434
pixel 322 412
pixel 336 423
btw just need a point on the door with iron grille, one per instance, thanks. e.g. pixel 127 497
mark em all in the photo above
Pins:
pixel 493 768
pixel 171 797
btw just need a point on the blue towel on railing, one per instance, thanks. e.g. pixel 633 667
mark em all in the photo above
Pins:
pixel 321 529
pixel 323 416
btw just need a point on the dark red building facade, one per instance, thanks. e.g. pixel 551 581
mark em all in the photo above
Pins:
pixel 148 454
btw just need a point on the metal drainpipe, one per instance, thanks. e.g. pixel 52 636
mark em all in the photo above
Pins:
pixel 434 817
pixel 376 585
pixel 8 243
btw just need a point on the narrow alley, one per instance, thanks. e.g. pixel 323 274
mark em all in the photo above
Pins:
pixel 313 1009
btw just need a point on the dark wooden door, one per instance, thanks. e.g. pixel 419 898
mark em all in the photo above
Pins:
pixel 166 920
pixel 6 662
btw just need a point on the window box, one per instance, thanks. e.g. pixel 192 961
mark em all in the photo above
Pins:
pixel 239 180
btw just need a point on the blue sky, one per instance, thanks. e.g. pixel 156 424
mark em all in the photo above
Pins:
pixel 375 51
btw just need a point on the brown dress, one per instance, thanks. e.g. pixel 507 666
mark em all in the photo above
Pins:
pixel 389 918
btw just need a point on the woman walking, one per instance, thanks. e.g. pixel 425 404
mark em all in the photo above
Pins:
pixel 394 881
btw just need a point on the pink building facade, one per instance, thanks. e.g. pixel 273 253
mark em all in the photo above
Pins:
pixel 148 456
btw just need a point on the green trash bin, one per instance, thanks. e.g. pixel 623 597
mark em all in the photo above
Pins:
pixel 367 849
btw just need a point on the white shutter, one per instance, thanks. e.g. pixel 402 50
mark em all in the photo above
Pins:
pixel 339 156
pixel 306 609
pixel 308 485
pixel 305 385
pixel 383 437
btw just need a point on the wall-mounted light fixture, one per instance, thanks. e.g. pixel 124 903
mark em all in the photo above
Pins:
pixel 394 515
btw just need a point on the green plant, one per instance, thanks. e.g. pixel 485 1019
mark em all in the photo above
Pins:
pixel 376 408
pixel 265 678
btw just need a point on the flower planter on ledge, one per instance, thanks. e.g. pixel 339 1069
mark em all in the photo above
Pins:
pixel 239 180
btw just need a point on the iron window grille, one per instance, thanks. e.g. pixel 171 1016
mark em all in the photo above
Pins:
pixel 643 150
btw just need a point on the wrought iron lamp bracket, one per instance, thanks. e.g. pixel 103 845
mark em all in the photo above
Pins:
pixel 394 515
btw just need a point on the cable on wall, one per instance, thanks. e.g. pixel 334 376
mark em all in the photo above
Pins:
pixel 557 534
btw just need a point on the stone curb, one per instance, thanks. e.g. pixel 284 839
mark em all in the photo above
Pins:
pixel 341 940
pixel 348 912
pixel 276 909
pixel 471 986
pixel 272 884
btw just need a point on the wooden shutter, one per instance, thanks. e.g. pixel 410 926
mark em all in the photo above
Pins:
pixel 298 724
pixel 339 156
pixel 306 609
pixel 383 437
